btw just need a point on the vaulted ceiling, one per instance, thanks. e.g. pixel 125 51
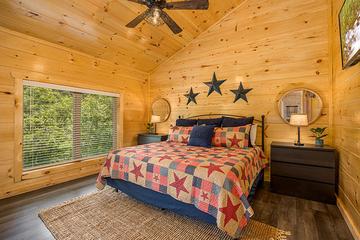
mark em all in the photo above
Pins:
pixel 97 27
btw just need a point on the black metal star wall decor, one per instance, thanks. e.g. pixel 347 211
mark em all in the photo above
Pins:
pixel 191 96
pixel 241 93
pixel 214 85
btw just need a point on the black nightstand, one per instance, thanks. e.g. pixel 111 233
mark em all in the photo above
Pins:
pixel 144 138
pixel 307 171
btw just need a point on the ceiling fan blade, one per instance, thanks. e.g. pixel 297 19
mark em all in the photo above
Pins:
pixel 143 2
pixel 138 19
pixel 170 22
pixel 195 4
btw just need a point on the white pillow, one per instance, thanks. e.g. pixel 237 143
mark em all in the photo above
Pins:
pixel 253 133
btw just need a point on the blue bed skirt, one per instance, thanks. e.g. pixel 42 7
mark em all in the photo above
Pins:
pixel 167 202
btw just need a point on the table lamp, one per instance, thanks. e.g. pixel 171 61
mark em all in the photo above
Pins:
pixel 299 120
pixel 155 119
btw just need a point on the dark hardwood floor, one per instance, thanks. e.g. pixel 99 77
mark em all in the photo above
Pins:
pixel 306 220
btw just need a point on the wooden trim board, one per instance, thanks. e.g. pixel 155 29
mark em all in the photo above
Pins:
pixel 67 88
pixel 120 122
pixel 18 163
pixel 61 168
pixel 347 217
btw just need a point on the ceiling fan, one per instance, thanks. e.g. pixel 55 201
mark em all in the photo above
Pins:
pixel 156 16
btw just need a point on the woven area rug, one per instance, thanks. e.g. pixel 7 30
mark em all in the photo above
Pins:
pixel 109 215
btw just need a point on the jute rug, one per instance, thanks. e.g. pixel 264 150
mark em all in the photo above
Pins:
pixel 109 215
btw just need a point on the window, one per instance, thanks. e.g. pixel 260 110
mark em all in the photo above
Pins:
pixel 63 124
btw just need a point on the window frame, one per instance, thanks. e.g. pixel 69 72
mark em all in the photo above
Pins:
pixel 76 165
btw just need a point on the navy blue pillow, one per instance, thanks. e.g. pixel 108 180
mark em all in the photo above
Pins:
pixel 186 122
pixel 236 122
pixel 215 122
pixel 201 136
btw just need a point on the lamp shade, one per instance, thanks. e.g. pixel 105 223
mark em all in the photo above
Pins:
pixel 299 120
pixel 155 119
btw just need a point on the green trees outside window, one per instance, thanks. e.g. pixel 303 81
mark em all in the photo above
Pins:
pixel 61 126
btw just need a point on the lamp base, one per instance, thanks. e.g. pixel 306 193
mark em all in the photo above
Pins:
pixel 298 143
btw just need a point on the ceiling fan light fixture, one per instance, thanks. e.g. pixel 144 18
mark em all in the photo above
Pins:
pixel 154 17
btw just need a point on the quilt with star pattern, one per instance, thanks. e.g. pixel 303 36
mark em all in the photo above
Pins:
pixel 215 180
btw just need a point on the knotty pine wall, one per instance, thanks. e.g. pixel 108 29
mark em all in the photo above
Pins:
pixel 346 126
pixel 24 57
pixel 269 45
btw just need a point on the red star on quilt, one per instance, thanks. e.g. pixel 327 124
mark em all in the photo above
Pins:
pixel 179 184
pixel 137 171
pixel 212 167
pixel 164 157
pixel 184 139
pixel 229 211
pixel 205 196
pixel 234 141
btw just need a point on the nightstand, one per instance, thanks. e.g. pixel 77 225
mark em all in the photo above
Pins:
pixel 144 138
pixel 307 171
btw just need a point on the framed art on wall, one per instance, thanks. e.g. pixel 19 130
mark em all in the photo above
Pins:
pixel 349 22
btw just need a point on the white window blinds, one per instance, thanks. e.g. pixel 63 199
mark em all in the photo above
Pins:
pixel 62 124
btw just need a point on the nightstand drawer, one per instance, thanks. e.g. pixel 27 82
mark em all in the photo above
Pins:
pixel 306 189
pixel 151 138
pixel 306 172
pixel 304 156
pixel 146 140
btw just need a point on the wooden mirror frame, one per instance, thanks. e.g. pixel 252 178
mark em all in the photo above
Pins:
pixel 167 102
pixel 300 89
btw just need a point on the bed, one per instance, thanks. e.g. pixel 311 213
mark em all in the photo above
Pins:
pixel 214 185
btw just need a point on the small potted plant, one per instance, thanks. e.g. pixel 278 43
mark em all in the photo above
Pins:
pixel 150 127
pixel 318 134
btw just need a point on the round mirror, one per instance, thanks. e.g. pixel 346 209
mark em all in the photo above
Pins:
pixel 300 101
pixel 161 108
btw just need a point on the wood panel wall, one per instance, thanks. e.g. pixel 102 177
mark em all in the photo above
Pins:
pixel 346 128
pixel 24 57
pixel 269 45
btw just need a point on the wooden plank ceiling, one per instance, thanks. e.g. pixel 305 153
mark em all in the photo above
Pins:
pixel 97 27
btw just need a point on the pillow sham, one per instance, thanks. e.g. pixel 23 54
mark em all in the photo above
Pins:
pixel 232 137
pixel 186 122
pixel 201 136
pixel 179 134
pixel 236 122
pixel 213 121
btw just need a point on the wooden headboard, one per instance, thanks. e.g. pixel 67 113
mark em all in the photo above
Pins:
pixel 260 122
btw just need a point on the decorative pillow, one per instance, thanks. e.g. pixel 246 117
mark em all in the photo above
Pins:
pixel 214 121
pixel 253 135
pixel 236 122
pixel 201 136
pixel 232 137
pixel 186 122
pixel 179 134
